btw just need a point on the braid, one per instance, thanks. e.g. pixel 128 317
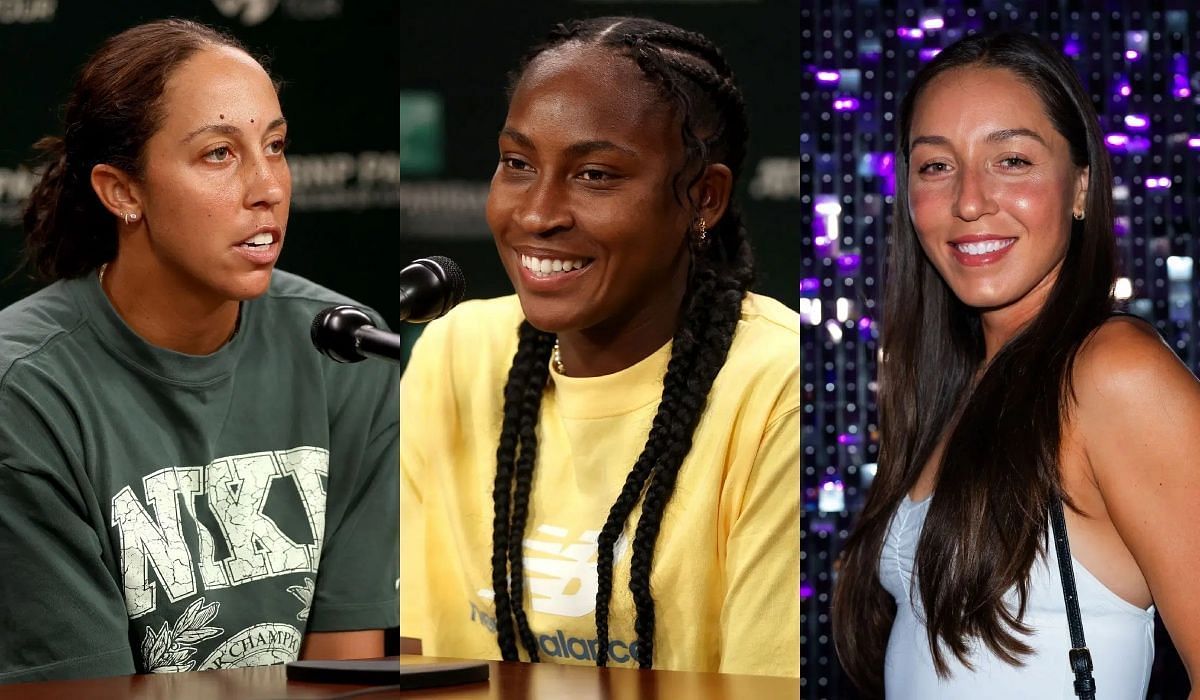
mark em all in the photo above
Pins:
pixel 532 351
pixel 696 80
pixel 531 401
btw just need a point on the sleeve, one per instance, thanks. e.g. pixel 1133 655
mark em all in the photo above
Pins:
pixel 63 615
pixel 357 575
pixel 760 618
pixel 415 391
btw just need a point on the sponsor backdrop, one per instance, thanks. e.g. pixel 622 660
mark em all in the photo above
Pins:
pixel 1140 63
pixel 394 110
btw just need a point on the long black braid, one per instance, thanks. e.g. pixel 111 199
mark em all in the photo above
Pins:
pixel 695 79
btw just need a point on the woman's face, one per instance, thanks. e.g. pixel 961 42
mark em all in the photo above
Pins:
pixel 215 188
pixel 582 204
pixel 991 187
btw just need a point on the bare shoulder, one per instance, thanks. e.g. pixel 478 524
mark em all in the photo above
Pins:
pixel 1125 366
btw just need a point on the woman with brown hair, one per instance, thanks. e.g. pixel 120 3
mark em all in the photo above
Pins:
pixel 184 483
pixel 1008 389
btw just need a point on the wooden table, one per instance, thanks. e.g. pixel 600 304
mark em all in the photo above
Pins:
pixel 508 681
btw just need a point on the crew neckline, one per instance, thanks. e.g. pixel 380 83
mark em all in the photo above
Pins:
pixel 160 363
pixel 612 394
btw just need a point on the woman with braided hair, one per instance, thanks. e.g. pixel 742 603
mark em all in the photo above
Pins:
pixel 602 469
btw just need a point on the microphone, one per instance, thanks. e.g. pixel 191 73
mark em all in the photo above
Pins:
pixel 429 287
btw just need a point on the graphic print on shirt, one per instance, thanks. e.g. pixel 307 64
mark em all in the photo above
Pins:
pixel 160 570
pixel 560 573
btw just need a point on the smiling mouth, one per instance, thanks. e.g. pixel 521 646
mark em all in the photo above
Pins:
pixel 549 267
pixel 983 247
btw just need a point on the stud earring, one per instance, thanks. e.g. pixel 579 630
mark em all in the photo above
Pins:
pixel 1077 215
pixel 130 217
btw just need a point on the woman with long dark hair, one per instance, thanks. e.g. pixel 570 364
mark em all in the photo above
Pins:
pixel 184 483
pixel 1009 389
pixel 603 468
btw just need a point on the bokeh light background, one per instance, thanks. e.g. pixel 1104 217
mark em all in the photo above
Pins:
pixel 1140 61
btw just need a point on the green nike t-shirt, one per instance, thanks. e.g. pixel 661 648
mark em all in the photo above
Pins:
pixel 166 512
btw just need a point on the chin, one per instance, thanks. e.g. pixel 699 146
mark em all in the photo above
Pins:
pixel 547 317
pixel 250 286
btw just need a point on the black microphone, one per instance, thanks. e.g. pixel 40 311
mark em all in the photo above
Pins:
pixel 429 287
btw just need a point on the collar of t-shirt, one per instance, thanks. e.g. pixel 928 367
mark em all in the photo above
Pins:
pixel 162 364
pixel 611 394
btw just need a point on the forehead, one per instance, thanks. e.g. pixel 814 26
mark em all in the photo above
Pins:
pixel 974 101
pixel 219 81
pixel 591 89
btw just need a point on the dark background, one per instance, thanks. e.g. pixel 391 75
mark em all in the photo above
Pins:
pixel 377 184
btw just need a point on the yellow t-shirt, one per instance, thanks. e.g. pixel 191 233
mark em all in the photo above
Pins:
pixel 726 569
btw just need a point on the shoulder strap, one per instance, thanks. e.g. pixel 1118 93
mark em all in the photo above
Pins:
pixel 1081 658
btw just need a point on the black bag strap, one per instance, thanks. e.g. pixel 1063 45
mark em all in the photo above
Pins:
pixel 1081 658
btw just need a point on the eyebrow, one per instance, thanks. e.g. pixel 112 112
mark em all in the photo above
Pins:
pixel 994 137
pixel 229 129
pixel 575 150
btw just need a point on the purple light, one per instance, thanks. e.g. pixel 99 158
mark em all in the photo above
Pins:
pixel 1137 122
pixel 821 525
pixel 1194 142
pixel 1180 83
pixel 847 439
pixel 864 323
pixel 1117 140
pixel 810 285
pixel 1124 88
pixel 933 22
pixel 1158 183
pixel 1132 55
pixel 910 32
pixel 928 54
pixel 848 262
pixel 828 76
pixel 845 104
pixel 806 591
pixel 1071 48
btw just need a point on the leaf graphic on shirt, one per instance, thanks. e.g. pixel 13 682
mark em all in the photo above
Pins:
pixel 305 595
pixel 168 649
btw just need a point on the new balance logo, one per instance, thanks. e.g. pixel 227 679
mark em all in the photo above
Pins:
pixel 560 573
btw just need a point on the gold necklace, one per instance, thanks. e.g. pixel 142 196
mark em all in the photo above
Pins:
pixel 555 358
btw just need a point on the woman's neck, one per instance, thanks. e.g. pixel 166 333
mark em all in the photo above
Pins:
pixel 168 313
pixel 621 343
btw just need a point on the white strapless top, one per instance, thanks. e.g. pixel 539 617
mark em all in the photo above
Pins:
pixel 1119 635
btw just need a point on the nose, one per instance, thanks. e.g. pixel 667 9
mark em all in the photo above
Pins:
pixel 974 197
pixel 268 182
pixel 543 208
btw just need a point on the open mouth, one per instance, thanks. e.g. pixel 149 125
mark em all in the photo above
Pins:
pixel 258 240
pixel 549 267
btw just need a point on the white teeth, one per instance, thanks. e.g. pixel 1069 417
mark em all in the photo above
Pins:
pixel 544 267
pixel 984 247
pixel 260 239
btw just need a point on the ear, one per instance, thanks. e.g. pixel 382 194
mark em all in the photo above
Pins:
pixel 1079 206
pixel 710 195
pixel 117 190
